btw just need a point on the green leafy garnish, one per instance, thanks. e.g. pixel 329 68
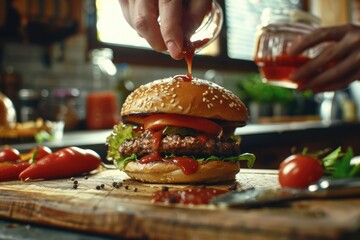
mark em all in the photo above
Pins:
pixel 43 136
pixel 337 164
pixel 121 133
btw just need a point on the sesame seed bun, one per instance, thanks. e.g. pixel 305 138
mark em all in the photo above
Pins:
pixel 167 172
pixel 199 98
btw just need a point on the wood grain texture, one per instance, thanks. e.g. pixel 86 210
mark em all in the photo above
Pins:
pixel 129 213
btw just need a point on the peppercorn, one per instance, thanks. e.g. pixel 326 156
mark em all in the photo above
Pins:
pixel 164 188
pixel 75 182
pixel 172 199
pixel 98 187
pixel 135 189
pixel 75 186
pixel 102 185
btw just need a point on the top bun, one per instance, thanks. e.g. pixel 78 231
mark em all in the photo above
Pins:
pixel 199 98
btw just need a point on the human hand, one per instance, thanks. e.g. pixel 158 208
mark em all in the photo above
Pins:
pixel 337 66
pixel 179 19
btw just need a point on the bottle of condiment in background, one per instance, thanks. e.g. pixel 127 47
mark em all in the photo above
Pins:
pixel 102 106
pixel 279 27
pixel 102 111
pixel 66 109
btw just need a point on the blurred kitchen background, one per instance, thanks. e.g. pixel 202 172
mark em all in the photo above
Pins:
pixel 55 53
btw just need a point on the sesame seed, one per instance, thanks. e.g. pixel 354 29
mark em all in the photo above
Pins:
pixel 180 107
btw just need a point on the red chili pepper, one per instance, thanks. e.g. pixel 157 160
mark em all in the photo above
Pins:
pixel 9 154
pixel 36 153
pixel 66 162
pixel 10 171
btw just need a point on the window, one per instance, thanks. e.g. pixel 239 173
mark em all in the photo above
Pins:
pixel 235 45
pixel 242 17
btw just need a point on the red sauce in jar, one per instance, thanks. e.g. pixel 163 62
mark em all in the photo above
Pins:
pixel 193 195
pixel 280 67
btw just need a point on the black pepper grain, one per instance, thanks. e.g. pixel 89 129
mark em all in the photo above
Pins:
pixel 98 187
pixel 135 189
pixel 102 185
pixel 75 186
pixel 164 188
pixel 127 187
pixel 172 199
pixel 76 182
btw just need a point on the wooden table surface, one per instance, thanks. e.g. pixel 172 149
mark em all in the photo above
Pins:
pixel 127 212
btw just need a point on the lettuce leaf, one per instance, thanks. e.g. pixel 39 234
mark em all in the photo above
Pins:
pixel 122 132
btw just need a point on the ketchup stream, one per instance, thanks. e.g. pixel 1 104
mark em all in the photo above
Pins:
pixel 188 53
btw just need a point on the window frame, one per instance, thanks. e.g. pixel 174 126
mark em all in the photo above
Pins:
pixel 149 57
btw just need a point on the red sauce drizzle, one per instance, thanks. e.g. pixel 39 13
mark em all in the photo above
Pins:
pixel 187 165
pixel 193 195
pixel 157 139
pixel 188 53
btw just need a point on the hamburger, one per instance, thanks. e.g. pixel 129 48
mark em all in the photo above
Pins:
pixel 177 131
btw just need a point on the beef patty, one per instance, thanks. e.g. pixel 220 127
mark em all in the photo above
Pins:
pixel 180 146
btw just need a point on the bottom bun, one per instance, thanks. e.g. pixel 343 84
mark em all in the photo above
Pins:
pixel 165 172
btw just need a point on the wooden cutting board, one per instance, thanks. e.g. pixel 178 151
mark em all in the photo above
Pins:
pixel 128 211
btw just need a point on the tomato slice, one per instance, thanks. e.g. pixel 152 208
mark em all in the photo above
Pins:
pixel 159 121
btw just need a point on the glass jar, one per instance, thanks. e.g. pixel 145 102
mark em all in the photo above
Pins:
pixel 279 27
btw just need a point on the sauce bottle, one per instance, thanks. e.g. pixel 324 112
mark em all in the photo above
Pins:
pixel 279 27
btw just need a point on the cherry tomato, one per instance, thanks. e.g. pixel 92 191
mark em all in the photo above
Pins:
pixel 299 171
pixel 158 121
pixel 9 154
